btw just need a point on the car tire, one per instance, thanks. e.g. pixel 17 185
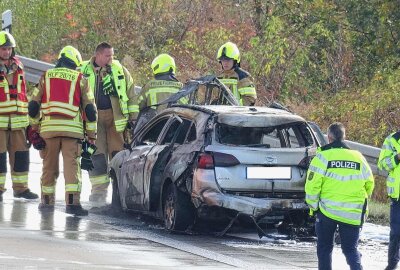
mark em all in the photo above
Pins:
pixel 178 210
pixel 116 199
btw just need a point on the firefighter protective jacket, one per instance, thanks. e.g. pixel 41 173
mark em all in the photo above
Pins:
pixel 63 95
pixel 339 181
pixel 13 99
pixel 389 161
pixel 156 91
pixel 124 102
pixel 241 84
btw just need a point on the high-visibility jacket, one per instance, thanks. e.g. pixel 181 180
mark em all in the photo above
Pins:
pixel 63 94
pixel 157 91
pixel 389 161
pixel 241 85
pixel 13 99
pixel 124 104
pixel 339 182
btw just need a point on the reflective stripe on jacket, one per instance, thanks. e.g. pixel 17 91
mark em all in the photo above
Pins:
pixel 389 162
pixel 339 181
pixel 13 98
pixel 157 91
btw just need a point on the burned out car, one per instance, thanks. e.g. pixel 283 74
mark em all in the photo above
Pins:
pixel 211 161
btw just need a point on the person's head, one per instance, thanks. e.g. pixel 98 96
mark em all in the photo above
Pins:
pixel 69 57
pixel 104 54
pixel 228 55
pixel 7 45
pixel 336 132
pixel 163 64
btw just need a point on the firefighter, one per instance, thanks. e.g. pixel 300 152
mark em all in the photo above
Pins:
pixel 339 182
pixel 65 103
pixel 389 160
pixel 160 88
pixel 236 79
pixel 116 102
pixel 13 120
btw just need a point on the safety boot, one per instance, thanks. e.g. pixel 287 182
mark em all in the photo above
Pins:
pixel 47 204
pixel 1 196
pixel 76 210
pixel 27 194
pixel 98 198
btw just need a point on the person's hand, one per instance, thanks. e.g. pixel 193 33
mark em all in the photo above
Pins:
pixel 34 138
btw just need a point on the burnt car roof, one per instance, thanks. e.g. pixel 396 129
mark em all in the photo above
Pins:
pixel 244 115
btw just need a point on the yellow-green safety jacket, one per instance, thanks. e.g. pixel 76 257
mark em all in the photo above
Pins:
pixel 124 105
pixel 241 85
pixel 157 91
pixel 389 161
pixel 339 182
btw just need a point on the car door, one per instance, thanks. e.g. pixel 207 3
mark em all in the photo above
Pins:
pixel 134 167
pixel 159 155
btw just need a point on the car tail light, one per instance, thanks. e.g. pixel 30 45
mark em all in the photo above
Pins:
pixel 305 162
pixel 206 161
pixel 225 160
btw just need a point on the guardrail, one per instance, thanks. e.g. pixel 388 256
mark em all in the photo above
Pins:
pixel 34 69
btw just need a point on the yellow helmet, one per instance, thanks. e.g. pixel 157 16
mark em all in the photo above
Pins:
pixel 229 51
pixel 162 64
pixel 72 54
pixel 6 39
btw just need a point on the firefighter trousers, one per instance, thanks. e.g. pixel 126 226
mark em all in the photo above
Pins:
pixel 70 148
pixel 109 142
pixel 14 142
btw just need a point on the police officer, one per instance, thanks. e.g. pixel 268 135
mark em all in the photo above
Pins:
pixel 13 120
pixel 339 182
pixel 236 79
pixel 116 103
pixel 160 88
pixel 389 160
pixel 66 104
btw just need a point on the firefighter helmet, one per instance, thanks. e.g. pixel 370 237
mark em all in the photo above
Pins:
pixel 229 51
pixel 162 64
pixel 72 54
pixel 6 39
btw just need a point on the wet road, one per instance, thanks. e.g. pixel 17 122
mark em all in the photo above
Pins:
pixel 106 240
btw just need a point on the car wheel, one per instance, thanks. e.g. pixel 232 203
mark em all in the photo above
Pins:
pixel 116 199
pixel 178 209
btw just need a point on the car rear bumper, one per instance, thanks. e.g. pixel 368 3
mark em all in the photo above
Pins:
pixel 205 190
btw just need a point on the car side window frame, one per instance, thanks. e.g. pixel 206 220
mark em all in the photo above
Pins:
pixel 171 122
pixel 139 139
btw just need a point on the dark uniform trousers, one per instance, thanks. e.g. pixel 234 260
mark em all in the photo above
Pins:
pixel 349 234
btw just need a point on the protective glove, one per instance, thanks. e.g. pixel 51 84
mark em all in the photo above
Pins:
pixel 35 139
pixel 88 149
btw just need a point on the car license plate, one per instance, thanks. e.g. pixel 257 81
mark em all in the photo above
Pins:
pixel 269 173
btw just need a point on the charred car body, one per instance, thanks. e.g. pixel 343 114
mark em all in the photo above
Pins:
pixel 211 161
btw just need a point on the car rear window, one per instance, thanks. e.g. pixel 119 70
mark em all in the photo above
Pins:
pixel 285 136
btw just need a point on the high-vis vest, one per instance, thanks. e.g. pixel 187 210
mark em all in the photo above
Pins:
pixel 62 93
pixel 389 162
pixel 159 90
pixel 232 84
pixel 61 98
pixel 120 83
pixel 13 98
pixel 339 182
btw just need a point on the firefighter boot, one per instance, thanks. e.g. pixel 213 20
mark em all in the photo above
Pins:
pixel 27 194
pixel 1 196
pixel 47 203
pixel 74 207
